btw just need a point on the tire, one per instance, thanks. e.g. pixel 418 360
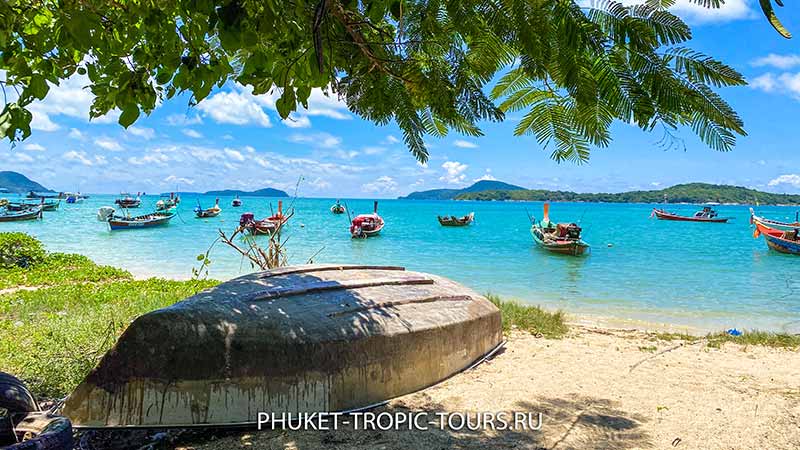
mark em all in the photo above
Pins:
pixel 14 396
pixel 47 433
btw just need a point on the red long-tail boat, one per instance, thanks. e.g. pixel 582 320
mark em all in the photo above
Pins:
pixel 366 225
pixel 706 215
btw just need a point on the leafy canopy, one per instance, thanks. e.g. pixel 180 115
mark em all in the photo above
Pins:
pixel 424 64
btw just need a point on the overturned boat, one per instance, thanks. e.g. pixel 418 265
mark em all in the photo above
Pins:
pixel 316 338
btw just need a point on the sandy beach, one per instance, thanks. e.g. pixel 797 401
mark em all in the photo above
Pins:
pixel 596 388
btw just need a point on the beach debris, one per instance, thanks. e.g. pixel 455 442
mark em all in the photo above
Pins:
pixel 734 332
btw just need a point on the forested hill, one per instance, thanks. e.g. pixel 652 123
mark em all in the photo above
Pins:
pixel 449 194
pixel 19 183
pixel 681 193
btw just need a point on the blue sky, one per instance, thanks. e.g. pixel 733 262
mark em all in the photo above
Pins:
pixel 236 140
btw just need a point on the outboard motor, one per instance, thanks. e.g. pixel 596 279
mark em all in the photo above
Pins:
pixel 105 213
pixel 573 231
pixel 246 218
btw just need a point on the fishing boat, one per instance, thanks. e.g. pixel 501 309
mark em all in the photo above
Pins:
pixel 169 203
pixel 35 195
pixel 22 206
pixel 367 225
pixel 209 212
pixel 128 201
pixel 453 221
pixel 783 241
pixel 237 202
pixel 31 213
pixel 754 219
pixel 705 215
pixel 154 219
pixel 74 197
pixel 271 225
pixel 316 338
pixel 563 238
pixel 338 208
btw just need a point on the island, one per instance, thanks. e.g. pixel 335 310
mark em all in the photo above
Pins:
pixel 17 183
pixel 451 194
pixel 266 192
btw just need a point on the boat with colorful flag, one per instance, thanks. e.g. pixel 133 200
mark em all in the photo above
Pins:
pixel 563 238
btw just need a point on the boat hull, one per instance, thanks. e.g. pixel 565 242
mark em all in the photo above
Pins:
pixel 296 339
pixel 663 215
pixel 776 241
pixel 139 222
pixel 565 247
pixel 25 215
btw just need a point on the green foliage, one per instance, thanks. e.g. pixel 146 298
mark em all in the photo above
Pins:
pixel 682 193
pixel 763 338
pixel 424 65
pixel 19 250
pixel 532 319
pixel 52 337
pixel 60 268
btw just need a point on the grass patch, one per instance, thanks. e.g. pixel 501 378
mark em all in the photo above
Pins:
pixel 669 337
pixel 52 337
pixel 532 319
pixel 648 349
pixel 763 338
pixel 59 269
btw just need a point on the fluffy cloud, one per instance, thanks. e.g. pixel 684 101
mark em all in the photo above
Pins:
pixel 465 144
pixel 175 179
pixel 33 148
pixel 787 82
pixel 454 172
pixel 191 133
pixel 391 140
pixel 70 98
pixel 108 144
pixel 234 154
pixel 23 157
pixel 487 176
pixel 297 121
pixel 382 185
pixel 75 133
pixel 788 179
pixel 182 120
pixel 779 61
pixel 79 157
pixel 234 107
pixel 142 132
pixel 690 11
pixel 323 140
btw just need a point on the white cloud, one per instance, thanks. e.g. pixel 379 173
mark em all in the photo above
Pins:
pixel 234 107
pixel 788 179
pixel 487 176
pixel 373 150
pixel 70 98
pixel 182 120
pixel 75 133
pixel 319 104
pixel 142 132
pixel 108 144
pixel 297 121
pixel 787 82
pixel 696 14
pixel 23 157
pixel 391 139
pixel 454 172
pixel 159 159
pixel 191 133
pixel 234 154
pixel 79 157
pixel 465 144
pixel 383 185
pixel 33 148
pixel 323 140
pixel 175 179
pixel 319 184
pixel 778 61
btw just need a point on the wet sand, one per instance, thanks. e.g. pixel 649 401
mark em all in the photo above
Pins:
pixel 596 388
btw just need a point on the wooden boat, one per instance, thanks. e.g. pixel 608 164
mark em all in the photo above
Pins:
pixel 318 338
pixel 127 201
pixel 3 202
pixel 783 241
pixel 34 195
pixel 338 208
pixel 754 219
pixel 453 221
pixel 145 221
pixel 706 215
pixel 32 213
pixel 23 206
pixel 271 225
pixel 367 225
pixel 24 426
pixel 210 212
pixel 167 204
pixel 237 202
pixel 563 238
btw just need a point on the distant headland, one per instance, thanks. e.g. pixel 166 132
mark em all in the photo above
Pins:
pixel 681 193
pixel 266 192
pixel 18 183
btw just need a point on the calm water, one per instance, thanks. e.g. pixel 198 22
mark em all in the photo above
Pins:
pixel 703 275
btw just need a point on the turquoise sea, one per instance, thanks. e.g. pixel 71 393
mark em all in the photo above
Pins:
pixel 709 276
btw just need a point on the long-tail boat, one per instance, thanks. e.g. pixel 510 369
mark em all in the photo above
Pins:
pixel 453 221
pixel 338 208
pixel 783 241
pixel 563 238
pixel 705 215
pixel 271 225
pixel 236 202
pixel 367 225
pixel 154 219
pixel 23 206
pixel 775 223
pixel 127 201
pixel 169 203
pixel 318 338
pixel 32 213
pixel 208 212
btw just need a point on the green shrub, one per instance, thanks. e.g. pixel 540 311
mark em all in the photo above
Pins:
pixel 20 250
pixel 530 318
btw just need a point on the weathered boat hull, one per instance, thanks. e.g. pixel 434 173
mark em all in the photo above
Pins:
pixel 149 221
pixel 298 339
pixel 663 215
pixel 567 247
pixel 32 214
